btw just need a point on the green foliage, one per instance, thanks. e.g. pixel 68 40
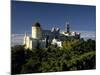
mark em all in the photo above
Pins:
pixel 83 62
pixel 32 66
pixel 74 55
pixel 18 58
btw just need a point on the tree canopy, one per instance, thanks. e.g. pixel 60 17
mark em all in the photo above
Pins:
pixel 74 55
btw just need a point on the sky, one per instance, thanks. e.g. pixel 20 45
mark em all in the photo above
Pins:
pixel 24 14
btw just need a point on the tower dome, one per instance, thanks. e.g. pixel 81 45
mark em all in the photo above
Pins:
pixel 36 31
pixel 37 24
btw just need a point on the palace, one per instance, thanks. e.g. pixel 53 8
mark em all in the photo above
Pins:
pixel 41 38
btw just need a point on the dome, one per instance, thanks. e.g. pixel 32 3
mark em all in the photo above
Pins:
pixel 36 24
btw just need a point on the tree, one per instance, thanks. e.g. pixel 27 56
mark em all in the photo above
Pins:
pixel 74 55
pixel 17 58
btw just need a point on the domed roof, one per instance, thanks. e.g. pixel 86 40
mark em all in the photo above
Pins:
pixel 37 24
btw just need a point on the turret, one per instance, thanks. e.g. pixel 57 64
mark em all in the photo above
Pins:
pixel 36 31
pixel 67 28
pixel 25 37
pixel 53 29
pixel 57 29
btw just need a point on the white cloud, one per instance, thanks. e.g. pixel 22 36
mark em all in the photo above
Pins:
pixel 17 39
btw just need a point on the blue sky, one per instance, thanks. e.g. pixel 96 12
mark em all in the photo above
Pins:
pixel 24 14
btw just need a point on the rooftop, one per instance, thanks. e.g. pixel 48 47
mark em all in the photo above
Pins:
pixel 37 24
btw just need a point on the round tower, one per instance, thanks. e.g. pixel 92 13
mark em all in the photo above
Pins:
pixel 36 31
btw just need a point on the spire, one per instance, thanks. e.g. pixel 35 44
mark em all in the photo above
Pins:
pixel 25 38
pixel 25 33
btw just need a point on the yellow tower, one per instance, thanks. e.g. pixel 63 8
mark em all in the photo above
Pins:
pixel 36 31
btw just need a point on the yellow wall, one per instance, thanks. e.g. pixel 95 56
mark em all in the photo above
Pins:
pixel 36 32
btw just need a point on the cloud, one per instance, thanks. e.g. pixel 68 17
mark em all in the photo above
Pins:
pixel 88 35
pixel 17 39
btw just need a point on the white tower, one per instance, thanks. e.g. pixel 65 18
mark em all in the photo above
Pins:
pixel 27 41
pixel 25 38
pixel 36 31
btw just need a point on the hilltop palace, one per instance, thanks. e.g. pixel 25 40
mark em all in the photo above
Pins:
pixel 41 38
